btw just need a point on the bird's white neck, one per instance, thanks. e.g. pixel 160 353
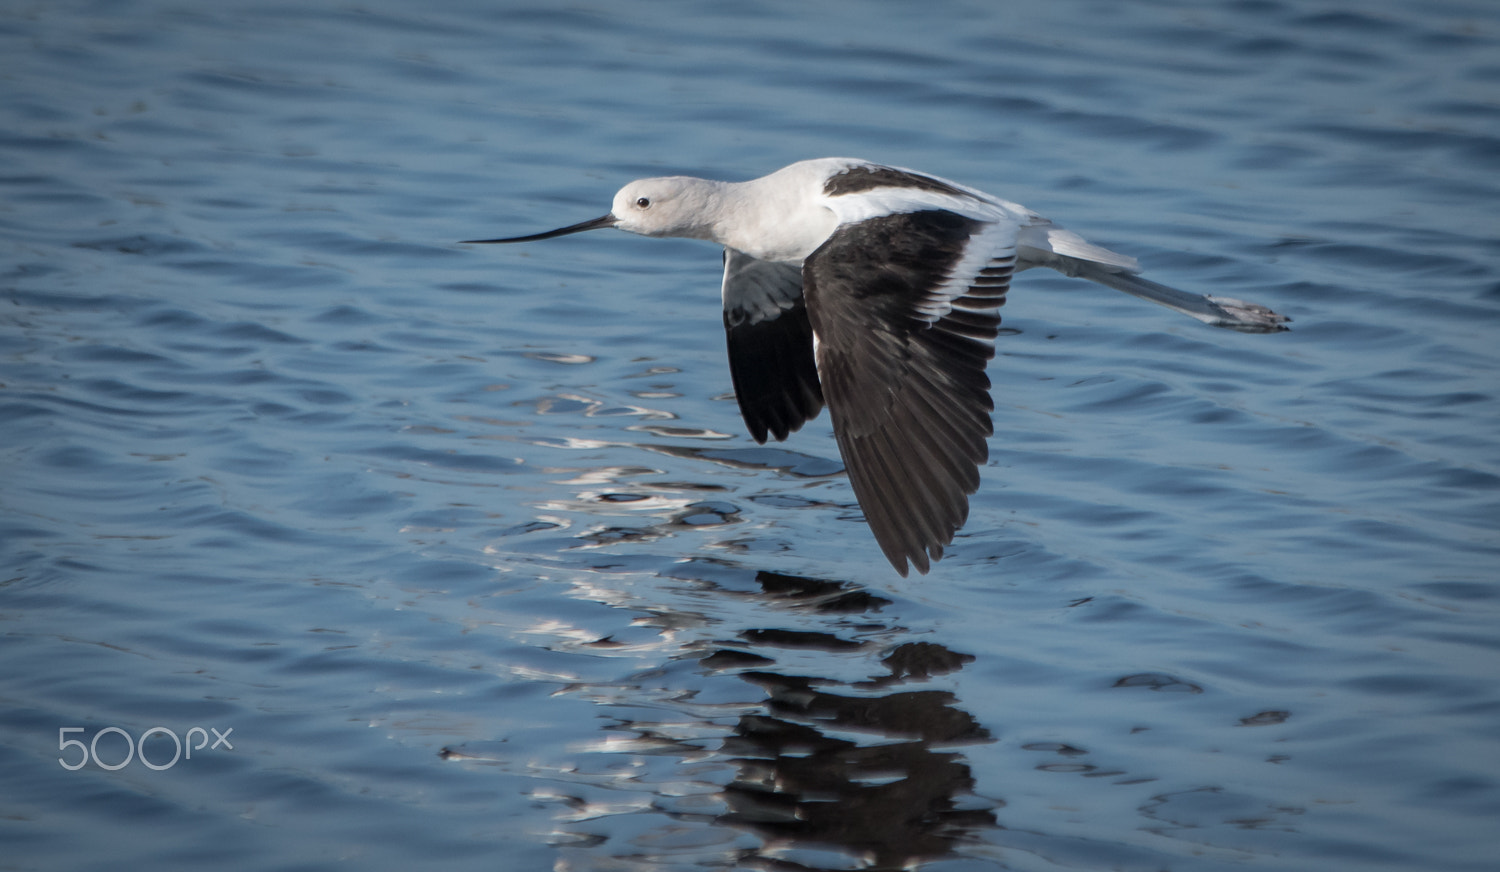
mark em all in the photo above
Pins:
pixel 771 222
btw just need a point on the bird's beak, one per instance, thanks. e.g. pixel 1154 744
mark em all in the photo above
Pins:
pixel 594 224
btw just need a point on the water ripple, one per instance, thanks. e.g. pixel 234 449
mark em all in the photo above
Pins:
pixel 468 546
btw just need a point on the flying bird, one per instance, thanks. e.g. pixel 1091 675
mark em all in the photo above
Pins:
pixel 876 290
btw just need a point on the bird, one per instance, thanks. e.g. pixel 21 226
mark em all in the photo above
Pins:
pixel 875 290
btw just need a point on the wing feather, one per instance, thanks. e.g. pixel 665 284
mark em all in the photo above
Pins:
pixel 770 344
pixel 904 310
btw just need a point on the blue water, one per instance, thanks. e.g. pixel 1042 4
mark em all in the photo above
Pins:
pixel 469 552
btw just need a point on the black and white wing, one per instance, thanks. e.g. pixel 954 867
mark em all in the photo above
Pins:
pixel 770 345
pixel 904 309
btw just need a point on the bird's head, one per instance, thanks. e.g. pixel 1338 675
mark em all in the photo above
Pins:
pixel 669 206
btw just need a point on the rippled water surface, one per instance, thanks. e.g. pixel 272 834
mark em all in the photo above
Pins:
pixel 468 552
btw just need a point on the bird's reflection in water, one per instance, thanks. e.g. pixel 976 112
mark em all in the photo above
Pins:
pixel 843 753
pixel 852 766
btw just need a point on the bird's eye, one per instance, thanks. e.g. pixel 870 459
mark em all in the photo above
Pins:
pixel 643 203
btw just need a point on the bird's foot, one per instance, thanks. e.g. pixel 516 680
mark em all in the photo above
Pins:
pixel 1248 317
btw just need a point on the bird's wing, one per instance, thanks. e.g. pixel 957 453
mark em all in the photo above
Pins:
pixel 903 307
pixel 770 345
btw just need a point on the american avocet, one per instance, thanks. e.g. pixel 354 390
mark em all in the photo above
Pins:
pixel 876 289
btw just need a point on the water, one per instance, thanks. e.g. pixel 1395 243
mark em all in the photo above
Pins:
pixel 468 551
